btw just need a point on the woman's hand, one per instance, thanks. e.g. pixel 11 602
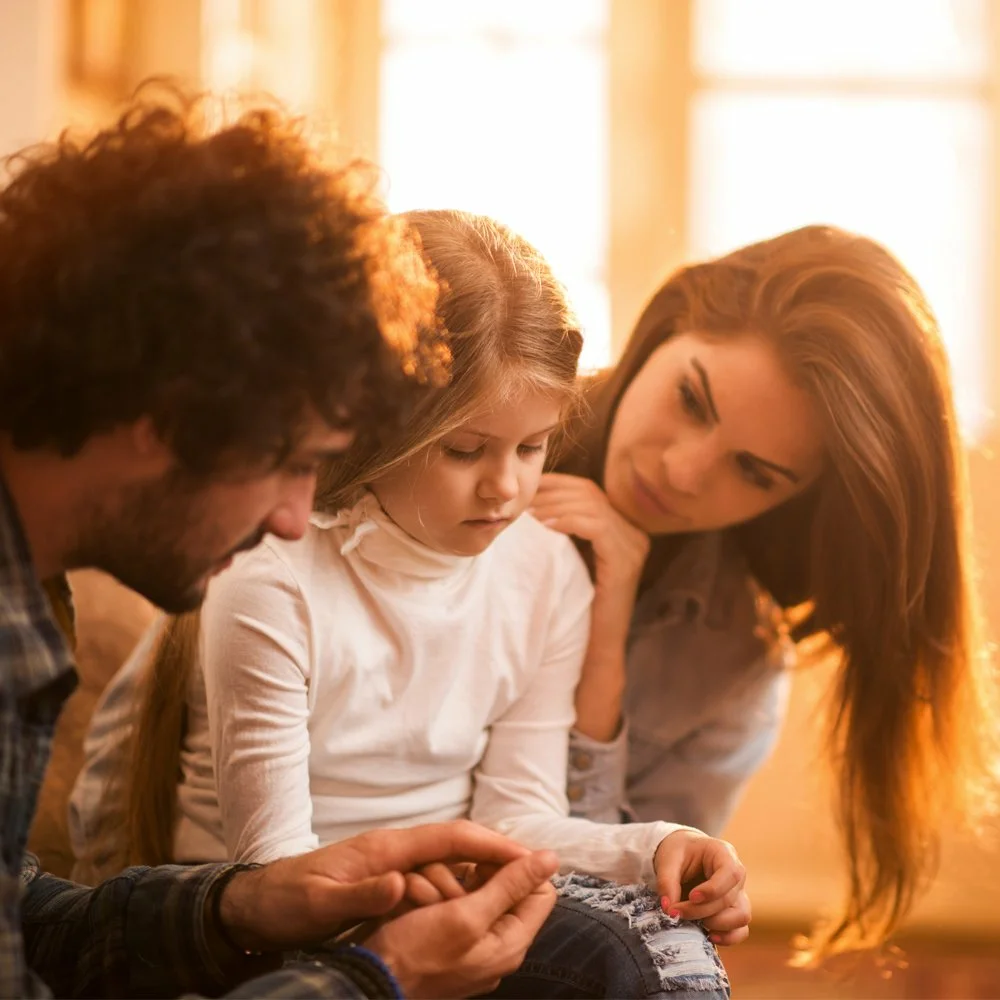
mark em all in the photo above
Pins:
pixel 718 899
pixel 576 506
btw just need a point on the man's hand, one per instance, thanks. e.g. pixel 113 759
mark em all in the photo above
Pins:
pixel 300 901
pixel 464 945
pixel 719 901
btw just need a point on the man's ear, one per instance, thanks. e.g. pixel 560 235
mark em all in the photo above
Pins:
pixel 149 451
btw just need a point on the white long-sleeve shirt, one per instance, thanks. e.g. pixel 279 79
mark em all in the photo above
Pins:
pixel 357 679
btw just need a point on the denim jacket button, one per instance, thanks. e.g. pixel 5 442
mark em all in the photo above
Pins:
pixel 582 760
pixel 574 792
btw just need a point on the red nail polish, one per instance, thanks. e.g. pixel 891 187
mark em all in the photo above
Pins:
pixel 675 913
pixel 715 939
pixel 664 902
pixel 697 896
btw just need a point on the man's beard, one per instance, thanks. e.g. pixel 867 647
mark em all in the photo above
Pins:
pixel 157 544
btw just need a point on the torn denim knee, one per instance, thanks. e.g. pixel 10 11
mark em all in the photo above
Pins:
pixel 680 950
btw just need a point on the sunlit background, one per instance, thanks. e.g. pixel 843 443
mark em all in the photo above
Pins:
pixel 624 138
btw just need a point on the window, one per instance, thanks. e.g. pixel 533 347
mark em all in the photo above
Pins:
pixel 874 115
pixel 501 109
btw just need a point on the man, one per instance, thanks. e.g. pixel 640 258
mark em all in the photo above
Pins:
pixel 190 323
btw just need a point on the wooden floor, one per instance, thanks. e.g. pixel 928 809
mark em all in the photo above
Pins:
pixel 921 970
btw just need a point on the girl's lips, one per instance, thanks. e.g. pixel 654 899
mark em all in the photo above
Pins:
pixel 488 522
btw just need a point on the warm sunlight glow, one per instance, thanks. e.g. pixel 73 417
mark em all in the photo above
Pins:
pixel 502 109
pixel 892 141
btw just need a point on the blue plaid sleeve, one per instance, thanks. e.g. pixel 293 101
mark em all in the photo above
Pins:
pixel 143 933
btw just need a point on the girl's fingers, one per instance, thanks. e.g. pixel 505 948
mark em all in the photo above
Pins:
pixel 737 936
pixel 731 918
pixel 728 873
pixel 420 891
pixel 443 879
pixel 698 911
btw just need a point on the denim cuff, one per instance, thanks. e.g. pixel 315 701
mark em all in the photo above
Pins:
pixel 596 776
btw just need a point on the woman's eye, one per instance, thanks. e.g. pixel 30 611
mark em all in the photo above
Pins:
pixel 532 449
pixel 752 473
pixel 690 401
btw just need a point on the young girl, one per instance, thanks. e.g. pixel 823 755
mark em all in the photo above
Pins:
pixel 414 657
pixel 781 416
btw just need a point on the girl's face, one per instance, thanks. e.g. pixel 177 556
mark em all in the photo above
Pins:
pixel 711 432
pixel 458 494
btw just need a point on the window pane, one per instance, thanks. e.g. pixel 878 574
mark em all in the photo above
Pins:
pixel 548 19
pixel 880 39
pixel 515 128
pixel 914 174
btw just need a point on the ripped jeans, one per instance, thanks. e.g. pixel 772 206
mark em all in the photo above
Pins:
pixel 608 940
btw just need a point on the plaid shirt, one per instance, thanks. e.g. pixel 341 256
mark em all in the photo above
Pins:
pixel 143 933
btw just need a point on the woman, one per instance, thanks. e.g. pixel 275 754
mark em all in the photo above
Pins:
pixel 781 418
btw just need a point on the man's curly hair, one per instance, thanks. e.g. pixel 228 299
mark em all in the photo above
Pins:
pixel 222 281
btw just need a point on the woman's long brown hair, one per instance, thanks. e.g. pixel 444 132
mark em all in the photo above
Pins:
pixel 874 559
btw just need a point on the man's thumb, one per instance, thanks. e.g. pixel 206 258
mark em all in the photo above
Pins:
pixel 512 883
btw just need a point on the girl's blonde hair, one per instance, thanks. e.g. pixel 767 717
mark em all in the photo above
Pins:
pixel 508 328
pixel 874 560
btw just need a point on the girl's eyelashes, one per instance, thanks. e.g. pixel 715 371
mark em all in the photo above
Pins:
pixel 690 402
pixel 463 456
pixel 533 449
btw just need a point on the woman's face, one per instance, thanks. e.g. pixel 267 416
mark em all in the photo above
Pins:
pixel 711 432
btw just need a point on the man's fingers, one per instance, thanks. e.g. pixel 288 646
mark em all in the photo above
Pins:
pixel 516 929
pixel 511 885
pixel 535 908
pixel 371 897
pixel 460 840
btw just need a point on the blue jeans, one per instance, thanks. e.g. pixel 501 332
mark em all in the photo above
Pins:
pixel 606 940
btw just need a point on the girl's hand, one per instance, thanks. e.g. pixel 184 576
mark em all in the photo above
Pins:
pixel 718 899
pixel 577 506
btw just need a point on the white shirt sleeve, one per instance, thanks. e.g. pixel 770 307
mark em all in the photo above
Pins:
pixel 255 646
pixel 520 787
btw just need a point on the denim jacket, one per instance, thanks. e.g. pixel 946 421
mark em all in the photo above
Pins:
pixel 705 695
